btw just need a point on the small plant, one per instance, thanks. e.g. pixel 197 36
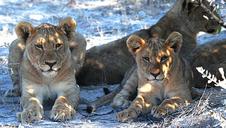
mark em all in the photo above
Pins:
pixel 212 78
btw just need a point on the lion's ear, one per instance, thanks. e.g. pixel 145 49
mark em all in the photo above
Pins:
pixel 174 41
pixel 135 43
pixel 188 5
pixel 23 30
pixel 68 25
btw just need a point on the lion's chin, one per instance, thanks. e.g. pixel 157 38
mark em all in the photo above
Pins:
pixel 49 74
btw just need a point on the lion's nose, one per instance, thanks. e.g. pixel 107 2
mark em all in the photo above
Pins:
pixel 50 63
pixel 155 72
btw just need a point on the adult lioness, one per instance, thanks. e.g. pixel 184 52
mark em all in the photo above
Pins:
pixel 47 70
pixel 163 77
pixel 77 44
pixel 211 56
pixel 108 63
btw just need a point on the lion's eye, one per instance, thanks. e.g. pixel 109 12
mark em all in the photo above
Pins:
pixel 164 58
pixel 58 46
pixel 206 17
pixel 39 46
pixel 146 59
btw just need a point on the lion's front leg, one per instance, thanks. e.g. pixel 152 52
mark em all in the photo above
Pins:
pixel 169 106
pixel 121 100
pixel 138 106
pixel 64 106
pixel 32 109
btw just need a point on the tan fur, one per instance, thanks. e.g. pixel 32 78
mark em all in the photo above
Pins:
pixel 163 78
pixel 47 70
pixel 108 63
pixel 77 44
pixel 128 90
pixel 15 56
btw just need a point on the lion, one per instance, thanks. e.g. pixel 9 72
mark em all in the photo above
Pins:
pixel 109 62
pixel 164 77
pixel 210 56
pixel 77 45
pixel 50 60
pixel 187 17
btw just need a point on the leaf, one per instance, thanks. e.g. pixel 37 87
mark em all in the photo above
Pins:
pixel 200 70
pixel 214 79
pixel 203 76
pixel 221 70
pixel 222 84
pixel 209 81
pixel 209 75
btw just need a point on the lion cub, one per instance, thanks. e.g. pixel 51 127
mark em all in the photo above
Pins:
pixel 163 77
pixel 77 45
pixel 47 70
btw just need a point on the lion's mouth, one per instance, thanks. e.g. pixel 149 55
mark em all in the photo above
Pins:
pixel 50 73
pixel 155 79
pixel 152 78
pixel 211 31
pixel 50 70
pixel 161 79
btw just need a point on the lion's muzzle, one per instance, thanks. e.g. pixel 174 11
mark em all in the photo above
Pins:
pixel 50 68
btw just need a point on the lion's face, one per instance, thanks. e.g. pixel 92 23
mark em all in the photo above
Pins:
pixel 198 12
pixel 47 46
pixel 48 49
pixel 156 57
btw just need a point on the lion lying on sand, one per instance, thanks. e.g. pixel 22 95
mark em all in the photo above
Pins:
pixel 51 57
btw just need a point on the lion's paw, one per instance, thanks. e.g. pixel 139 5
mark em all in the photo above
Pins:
pixel 159 112
pixel 31 114
pixel 62 112
pixel 120 102
pixel 126 115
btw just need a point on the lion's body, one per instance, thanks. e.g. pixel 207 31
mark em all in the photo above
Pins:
pixel 109 62
pixel 210 56
pixel 48 61
pixel 16 50
pixel 164 78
